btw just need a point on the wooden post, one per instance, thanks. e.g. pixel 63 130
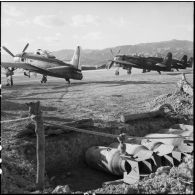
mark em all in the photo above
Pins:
pixel 122 146
pixel 34 109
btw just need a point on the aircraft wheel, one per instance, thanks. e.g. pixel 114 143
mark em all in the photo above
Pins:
pixel 68 80
pixel 128 71
pixel 44 79
pixel 117 73
pixel 11 80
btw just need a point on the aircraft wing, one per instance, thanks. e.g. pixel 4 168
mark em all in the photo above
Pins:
pixel 125 63
pixel 102 66
pixel 25 66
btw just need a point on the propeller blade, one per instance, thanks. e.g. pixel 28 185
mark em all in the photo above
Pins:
pixel 112 52
pixel 8 51
pixel 25 47
pixel 110 65
pixel 118 51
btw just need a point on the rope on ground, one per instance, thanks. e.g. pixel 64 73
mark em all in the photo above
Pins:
pixel 84 130
pixel 110 135
pixel 16 120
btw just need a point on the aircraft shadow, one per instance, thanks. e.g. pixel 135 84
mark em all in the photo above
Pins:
pixel 29 96
pixel 178 73
pixel 65 88
pixel 121 82
pixel 110 83
pixel 47 92
pixel 114 83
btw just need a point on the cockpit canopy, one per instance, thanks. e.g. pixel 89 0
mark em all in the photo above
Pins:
pixel 44 53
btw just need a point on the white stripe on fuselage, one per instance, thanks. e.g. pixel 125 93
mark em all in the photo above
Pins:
pixel 44 64
pixel 40 64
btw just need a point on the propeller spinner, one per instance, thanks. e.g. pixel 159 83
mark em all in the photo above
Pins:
pixel 10 53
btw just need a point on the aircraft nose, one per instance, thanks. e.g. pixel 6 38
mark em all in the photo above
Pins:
pixel 115 58
pixel 16 59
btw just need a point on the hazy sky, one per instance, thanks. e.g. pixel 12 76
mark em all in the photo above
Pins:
pixel 93 25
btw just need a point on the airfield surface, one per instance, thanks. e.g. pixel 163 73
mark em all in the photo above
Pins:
pixel 101 96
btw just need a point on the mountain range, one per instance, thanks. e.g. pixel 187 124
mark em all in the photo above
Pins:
pixel 99 57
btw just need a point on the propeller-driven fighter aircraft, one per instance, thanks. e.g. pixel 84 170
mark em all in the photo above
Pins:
pixel 146 63
pixel 180 64
pixel 44 63
pixel 190 62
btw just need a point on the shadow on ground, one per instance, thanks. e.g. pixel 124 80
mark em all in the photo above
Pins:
pixel 12 106
pixel 84 178
pixel 56 86
pixel 178 73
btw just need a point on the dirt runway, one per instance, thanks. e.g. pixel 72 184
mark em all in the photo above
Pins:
pixel 100 95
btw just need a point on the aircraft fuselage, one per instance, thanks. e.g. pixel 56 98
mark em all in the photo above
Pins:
pixel 149 63
pixel 56 68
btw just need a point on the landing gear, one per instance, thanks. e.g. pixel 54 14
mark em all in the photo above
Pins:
pixel 10 81
pixel 9 75
pixel 129 71
pixel 68 80
pixel 44 79
pixel 159 71
pixel 117 72
pixel 28 75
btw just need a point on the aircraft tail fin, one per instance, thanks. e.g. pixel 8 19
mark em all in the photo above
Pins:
pixel 76 58
pixel 184 59
pixel 190 62
pixel 168 60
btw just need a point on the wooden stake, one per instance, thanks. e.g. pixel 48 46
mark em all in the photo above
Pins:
pixel 34 109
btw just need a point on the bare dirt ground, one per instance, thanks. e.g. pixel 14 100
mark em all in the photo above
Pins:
pixel 101 96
